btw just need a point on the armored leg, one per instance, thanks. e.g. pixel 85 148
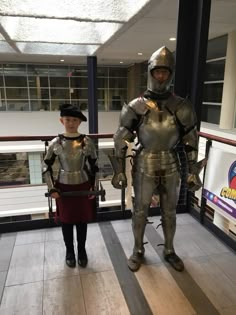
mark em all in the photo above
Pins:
pixel 138 226
pixel 67 231
pixel 141 205
pixel 169 197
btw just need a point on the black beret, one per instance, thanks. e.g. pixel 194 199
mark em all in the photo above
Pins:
pixel 72 111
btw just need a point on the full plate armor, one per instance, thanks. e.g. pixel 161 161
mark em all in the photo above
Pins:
pixel 159 121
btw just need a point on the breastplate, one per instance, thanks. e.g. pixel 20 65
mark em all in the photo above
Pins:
pixel 71 158
pixel 158 131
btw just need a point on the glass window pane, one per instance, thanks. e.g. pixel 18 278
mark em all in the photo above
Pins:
pixel 17 167
pixel 117 99
pixel 215 70
pixel 213 92
pixel 38 81
pixel 59 71
pixel 101 93
pixel 117 72
pixel 102 71
pixel 217 47
pixel 40 105
pixel 60 93
pixel 14 69
pixel 2 94
pixel 101 105
pixel 39 93
pixel 59 82
pixel 102 83
pixel 3 106
pixel 78 93
pixel 211 113
pixel 78 71
pixel 17 105
pixel 17 93
pixel 15 81
pixel 37 70
pixel 118 83
pixel 79 82
pixel 1 80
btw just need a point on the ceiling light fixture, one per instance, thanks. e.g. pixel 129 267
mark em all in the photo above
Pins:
pixel 172 39
pixel 121 62
pixel 140 54
pixel 62 60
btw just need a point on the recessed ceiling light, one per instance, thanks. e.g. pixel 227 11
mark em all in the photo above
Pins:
pixel 140 54
pixel 172 39
pixel 62 60
pixel 121 62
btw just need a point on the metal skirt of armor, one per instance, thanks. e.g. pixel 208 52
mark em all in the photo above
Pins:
pixel 75 209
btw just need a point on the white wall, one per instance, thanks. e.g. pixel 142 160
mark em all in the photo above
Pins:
pixel 48 124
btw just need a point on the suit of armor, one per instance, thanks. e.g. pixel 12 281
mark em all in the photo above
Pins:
pixel 76 156
pixel 159 121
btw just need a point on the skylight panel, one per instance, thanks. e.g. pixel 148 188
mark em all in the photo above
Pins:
pixel 57 49
pixel 94 10
pixel 58 31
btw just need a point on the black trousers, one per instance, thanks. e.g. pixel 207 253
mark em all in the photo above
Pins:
pixel 81 232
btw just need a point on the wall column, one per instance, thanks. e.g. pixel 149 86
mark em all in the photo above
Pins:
pixel 227 116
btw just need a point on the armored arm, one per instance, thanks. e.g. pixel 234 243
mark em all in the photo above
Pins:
pixel 188 129
pixel 124 135
pixel 92 159
pixel 48 162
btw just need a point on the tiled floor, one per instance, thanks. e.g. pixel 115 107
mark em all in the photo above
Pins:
pixel 34 279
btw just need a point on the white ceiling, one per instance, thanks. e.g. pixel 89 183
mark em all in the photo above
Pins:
pixel 47 31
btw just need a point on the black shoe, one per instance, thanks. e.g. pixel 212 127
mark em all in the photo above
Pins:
pixel 82 259
pixel 70 260
pixel 174 261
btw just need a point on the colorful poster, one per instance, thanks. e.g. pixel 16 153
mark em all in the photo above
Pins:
pixel 220 180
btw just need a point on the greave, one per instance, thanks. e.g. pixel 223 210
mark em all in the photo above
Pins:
pixel 138 225
pixel 169 227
